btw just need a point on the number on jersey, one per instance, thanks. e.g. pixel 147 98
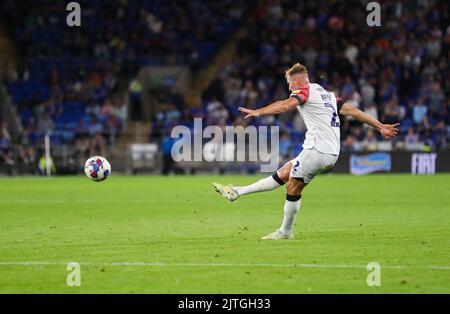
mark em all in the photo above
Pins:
pixel 335 118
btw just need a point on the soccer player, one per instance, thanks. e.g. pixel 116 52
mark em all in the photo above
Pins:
pixel 319 109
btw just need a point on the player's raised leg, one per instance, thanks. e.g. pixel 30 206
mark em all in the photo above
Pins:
pixel 267 184
pixel 274 181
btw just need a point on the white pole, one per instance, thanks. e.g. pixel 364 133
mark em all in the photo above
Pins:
pixel 47 155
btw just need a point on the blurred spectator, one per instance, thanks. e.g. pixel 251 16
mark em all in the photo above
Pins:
pixel 351 53
pixel 216 112
pixel 419 111
pixel 27 148
pixel 437 99
pixel 393 113
pixel 43 163
pixel 285 146
pixel 350 144
pixel 172 115
pixel 97 146
pixel 6 154
pixel 248 94
pixel 372 110
pixel 153 23
pixel 96 128
pixel 120 110
pixel 368 93
pixel 135 99
pixel 411 137
pixel 82 150
pixel 4 133
pixel 370 142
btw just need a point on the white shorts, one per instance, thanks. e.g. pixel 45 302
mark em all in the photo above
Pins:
pixel 310 163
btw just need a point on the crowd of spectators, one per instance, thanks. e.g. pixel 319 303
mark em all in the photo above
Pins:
pixel 398 72
pixel 87 108
pixel 136 32
pixel 69 82
pixel 72 82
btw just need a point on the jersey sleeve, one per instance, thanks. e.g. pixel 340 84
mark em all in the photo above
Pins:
pixel 301 94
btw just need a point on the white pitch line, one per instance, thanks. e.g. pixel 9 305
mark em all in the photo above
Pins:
pixel 156 264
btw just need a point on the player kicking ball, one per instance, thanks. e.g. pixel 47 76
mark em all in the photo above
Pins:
pixel 319 109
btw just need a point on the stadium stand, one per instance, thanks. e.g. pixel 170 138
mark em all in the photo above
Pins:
pixel 399 72
pixel 74 82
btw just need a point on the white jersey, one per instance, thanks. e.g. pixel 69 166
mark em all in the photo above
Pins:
pixel 319 110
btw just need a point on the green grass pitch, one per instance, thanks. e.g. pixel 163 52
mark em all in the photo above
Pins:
pixel 177 235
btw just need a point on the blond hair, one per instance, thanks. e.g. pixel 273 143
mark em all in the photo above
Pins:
pixel 296 69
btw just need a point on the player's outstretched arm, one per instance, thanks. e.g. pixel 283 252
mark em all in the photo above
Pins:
pixel 274 108
pixel 387 130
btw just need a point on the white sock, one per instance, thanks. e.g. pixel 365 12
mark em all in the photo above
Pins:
pixel 265 184
pixel 291 208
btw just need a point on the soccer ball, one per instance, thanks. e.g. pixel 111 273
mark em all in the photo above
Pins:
pixel 97 168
